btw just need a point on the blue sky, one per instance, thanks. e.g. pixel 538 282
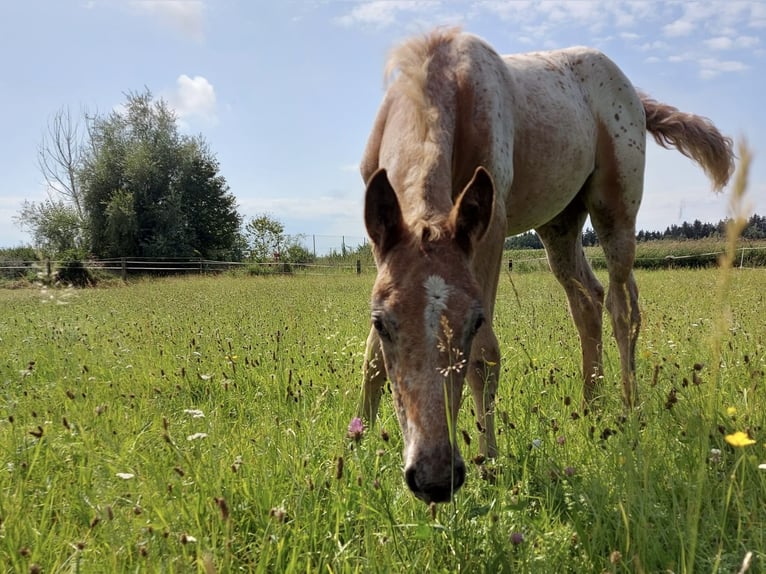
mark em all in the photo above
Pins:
pixel 285 92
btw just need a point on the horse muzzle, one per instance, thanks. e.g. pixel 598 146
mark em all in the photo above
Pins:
pixel 435 484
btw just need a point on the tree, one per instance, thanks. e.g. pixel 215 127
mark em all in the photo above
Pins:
pixel 58 223
pixel 265 236
pixel 147 190
pixel 55 226
pixel 59 157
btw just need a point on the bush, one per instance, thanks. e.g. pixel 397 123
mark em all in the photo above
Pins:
pixel 73 271
pixel 17 262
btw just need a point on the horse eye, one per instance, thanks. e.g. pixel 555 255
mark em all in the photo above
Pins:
pixel 377 322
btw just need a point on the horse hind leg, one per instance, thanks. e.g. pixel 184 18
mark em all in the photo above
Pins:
pixel 562 238
pixel 622 304
pixel 612 199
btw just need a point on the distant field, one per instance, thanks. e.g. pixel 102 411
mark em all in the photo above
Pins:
pixel 199 425
pixel 664 254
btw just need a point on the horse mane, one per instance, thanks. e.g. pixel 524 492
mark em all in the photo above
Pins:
pixel 410 68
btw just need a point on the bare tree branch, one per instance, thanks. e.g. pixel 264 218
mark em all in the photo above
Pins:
pixel 59 156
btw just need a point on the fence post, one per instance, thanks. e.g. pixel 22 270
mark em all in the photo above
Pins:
pixel 124 265
pixel 358 266
pixel 48 269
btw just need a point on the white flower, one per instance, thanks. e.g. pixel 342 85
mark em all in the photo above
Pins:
pixel 195 413
pixel 197 435
pixel 125 475
pixel 762 466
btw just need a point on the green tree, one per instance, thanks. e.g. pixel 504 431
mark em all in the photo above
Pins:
pixel 265 237
pixel 150 191
pixel 54 224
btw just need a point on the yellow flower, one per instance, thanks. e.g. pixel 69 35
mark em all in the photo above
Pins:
pixel 739 439
pixel 731 411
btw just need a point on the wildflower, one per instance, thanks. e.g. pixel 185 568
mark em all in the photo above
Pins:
pixel 517 538
pixel 715 455
pixel 731 411
pixel 125 475
pixel 739 439
pixel 762 466
pixel 195 413
pixel 197 435
pixel 356 428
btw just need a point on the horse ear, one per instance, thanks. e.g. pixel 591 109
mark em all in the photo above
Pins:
pixel 382 214
pixel 472 211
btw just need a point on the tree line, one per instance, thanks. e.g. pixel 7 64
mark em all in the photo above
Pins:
pixel 129 183
pixel 755 229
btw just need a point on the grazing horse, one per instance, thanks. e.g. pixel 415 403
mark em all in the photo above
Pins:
pixel 469 147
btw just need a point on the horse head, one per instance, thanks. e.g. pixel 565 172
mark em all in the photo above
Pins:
pixel 426 310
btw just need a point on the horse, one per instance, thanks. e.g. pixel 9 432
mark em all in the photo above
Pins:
pixel 469 147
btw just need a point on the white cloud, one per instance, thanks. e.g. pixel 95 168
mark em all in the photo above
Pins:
pixel 194 99
pixel 382 13
pixel 186 16
pixel 711 67
pixel 678 28
pixel 350 168
pixel 719 43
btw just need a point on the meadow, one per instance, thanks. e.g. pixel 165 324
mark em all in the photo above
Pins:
pixel 200 425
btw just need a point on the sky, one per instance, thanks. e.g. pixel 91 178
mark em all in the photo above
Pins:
pixel 285 92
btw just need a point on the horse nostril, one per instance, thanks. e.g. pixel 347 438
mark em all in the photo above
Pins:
pixel 409 477
pixel 436 491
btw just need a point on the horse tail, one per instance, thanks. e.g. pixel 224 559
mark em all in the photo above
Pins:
pixel 694 136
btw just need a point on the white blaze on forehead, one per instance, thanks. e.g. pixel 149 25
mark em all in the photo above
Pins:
pixel 437 293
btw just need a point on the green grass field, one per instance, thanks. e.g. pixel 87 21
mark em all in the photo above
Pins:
pixel 199 425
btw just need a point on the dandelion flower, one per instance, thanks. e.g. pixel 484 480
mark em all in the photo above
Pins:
pixel 739 439
pixel 731 411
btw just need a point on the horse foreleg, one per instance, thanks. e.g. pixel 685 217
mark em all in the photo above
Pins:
pixel 374 379
pixel 482 376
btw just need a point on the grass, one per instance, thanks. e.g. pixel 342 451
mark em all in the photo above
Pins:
pixel 199 425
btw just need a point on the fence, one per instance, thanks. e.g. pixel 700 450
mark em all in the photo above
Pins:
pixel 349 261
pixel 746 257
pixel 125 267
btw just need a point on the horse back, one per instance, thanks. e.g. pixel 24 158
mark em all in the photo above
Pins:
pixel 568 105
